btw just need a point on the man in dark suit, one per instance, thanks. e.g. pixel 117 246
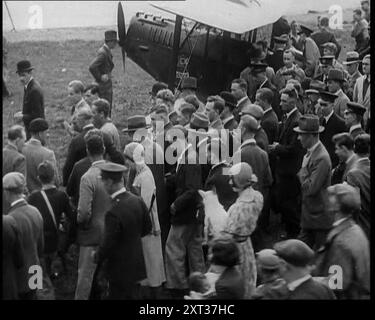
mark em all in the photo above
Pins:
pixel 295 268
pixel 323 35
pixel 227 116
pixel 77 148
pixel 125 224
pixel 353 116
pixel 239 90
pixel 359 176
pixel 332 123
pixel 269 122
pixel 33 100
pixel 288 152
pixel 102 66
pixel 315 178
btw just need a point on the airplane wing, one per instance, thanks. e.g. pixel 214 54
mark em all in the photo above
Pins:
pixel 237 16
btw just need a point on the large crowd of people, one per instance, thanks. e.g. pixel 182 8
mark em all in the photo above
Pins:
pixel 186 209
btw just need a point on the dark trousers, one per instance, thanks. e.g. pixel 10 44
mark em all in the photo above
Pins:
pixel 106 92
pixel 123 292
pixel 288 195
pixel 29 295
pixel 314 238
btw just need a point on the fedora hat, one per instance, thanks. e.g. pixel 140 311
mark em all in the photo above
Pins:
pixel 316 86
pixel 189 83
pixel 336 75
pixel 110 35
pixel 24 66
pixel 135 123
pixel 309 123
pixel 351 57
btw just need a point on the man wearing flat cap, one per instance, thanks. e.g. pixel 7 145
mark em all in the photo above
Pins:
pixel 126 222
pixel 353 117
pixel 101 67
pixel 296 259
pixel 35 153
pixel 346 246
pixel 310 50
pixel 332 123
pixel 352 67
pixel 33 99
pixel 314 177
pixel 30 224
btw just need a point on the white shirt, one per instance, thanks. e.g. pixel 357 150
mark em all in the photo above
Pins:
pixel 290 113
pixel 356 126
pixel 296 283
pixel 307 156
pixel 350 158
pixel 114 195
pixel 28 82
pixel 336 223
pixel 17 201
pixel 329 116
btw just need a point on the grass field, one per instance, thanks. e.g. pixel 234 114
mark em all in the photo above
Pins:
pixel 62 55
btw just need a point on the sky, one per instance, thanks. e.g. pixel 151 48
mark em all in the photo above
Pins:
pixel 64 14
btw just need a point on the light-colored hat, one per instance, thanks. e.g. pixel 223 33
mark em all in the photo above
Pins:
pixel 309 123
pixel 268 259
pixel 351 57
pixel 349 196
pixel 243 173
pixel 14 180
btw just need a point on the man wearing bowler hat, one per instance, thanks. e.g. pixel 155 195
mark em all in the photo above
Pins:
pixel 335 82
pixel 33 100
pixel 102 66
pixel 332 123
pixel 314 177
pixel 352 66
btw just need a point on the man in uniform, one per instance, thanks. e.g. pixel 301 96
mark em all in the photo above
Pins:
pixel 102 66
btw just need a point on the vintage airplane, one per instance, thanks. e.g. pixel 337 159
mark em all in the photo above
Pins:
pixel 208 40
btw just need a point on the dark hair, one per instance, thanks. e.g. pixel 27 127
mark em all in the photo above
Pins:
pixel 362 144
pixel 46 172
pixel 219 105
pixel 358 12
pixel 193 100
pixel 116 177
pixel 225 252
pixel 343 140
pixel 324 22
pixel 195 282
pixel 95 145
pixel 242 83
pixel 15 132
pixel 102 106
pixel 265 94
pixel 93 88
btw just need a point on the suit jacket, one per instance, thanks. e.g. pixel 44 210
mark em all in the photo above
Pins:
pixel 230 285
pixel 13 257
pixel 359 176
pixel 352 79
pixel 289 152
pixel 315 178
pixel 231 124
pixel 35 154
pixel 339 106
pixel 334 126
pixel 102 64
pixel 358 95
pixel 312 290
pixel 33 102
pixel 258 160
pixel 13 160
pixel 93 203
pixel 126 222
pixel 240 106
pixel 262 139
pixel 188 182
pixel 77 151
pixel 323 36
pixel 30 224
pixel 348 247
pixel 356 132
pixel 270 124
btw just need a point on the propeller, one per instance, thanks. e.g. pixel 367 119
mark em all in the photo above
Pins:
pixel 121 31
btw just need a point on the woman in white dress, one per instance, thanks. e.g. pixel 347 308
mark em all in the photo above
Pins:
pixel 144 186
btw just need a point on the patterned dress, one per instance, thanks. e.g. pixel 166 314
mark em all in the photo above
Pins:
pixel 241 222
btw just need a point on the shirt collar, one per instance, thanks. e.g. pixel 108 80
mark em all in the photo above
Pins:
pixel 350 158
pixel 28 82
pixel 97 162
pixel 114 195
pixel 218 164
pixel 35 141
pixel 329 116
pixel 17 201
pixel 248 141
pixel 261 86
pixel 356 126
pixel 291 112
pixel 313 147
pixel 106 46
pixel 48 186
pixel 267 110
pixel 336 223
pixel 12 145
pixel 225 121
pixel 296 283
pixel 339 92
pixel 241 100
